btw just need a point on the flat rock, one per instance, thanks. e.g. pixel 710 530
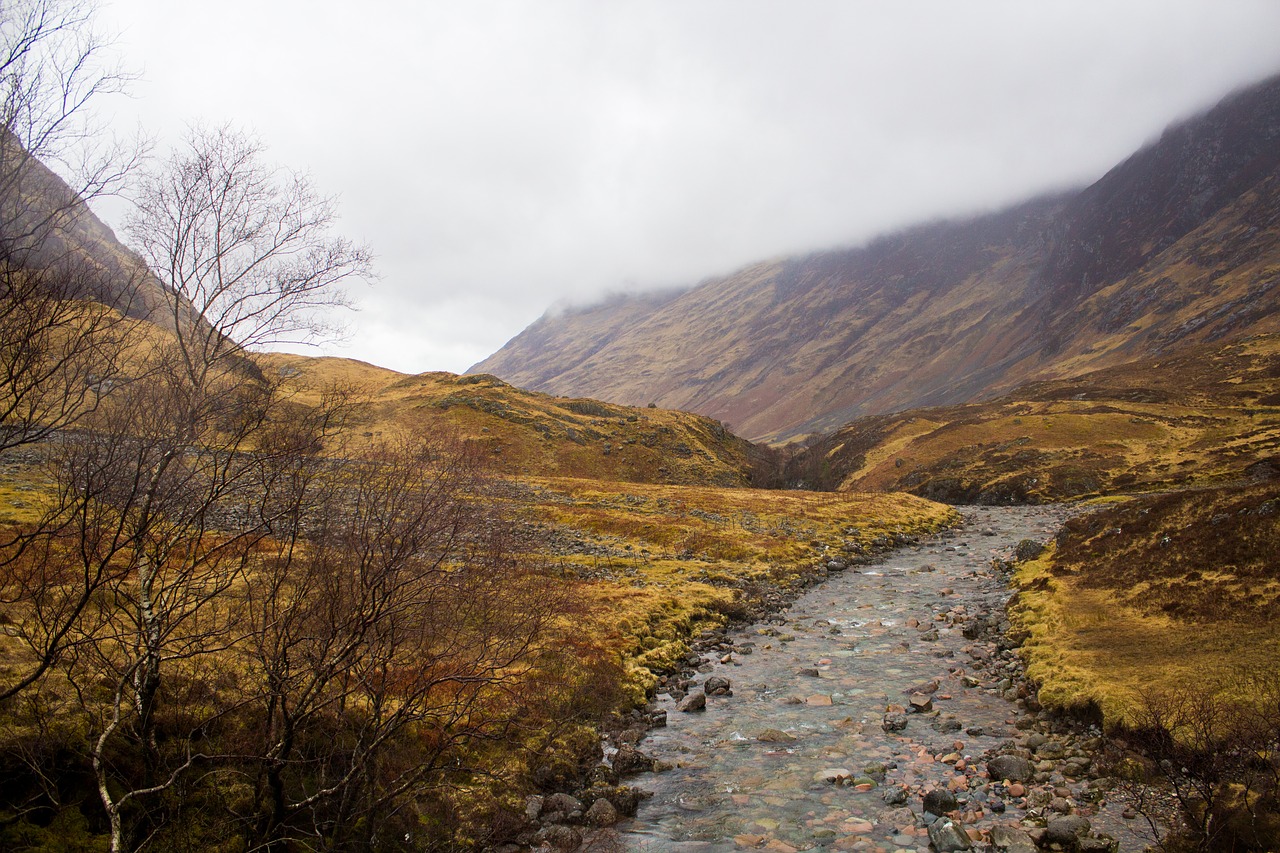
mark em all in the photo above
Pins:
pixel 775 736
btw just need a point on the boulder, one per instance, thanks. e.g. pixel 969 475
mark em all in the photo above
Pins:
pixel 775 736
pixel 894 722
pixel 1011 767
pixel 560 837
pixel 562 803
pixel 948 836
pixel 631 760
pixel 940 801
pixel 693 702
pixel 1066 831
pixel 601 813
pixel 718 685
pixel 1011 839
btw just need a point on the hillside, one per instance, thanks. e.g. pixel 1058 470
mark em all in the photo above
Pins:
pixel 523 432
pixel 1178 245
pixel 1209 414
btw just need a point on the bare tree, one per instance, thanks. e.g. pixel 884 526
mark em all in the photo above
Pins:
pixel 55 63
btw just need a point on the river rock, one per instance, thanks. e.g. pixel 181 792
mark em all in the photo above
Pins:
pixel 629 760
pixel 693 702
pixel 940 801
pixel 601 813
pixel 775 736
pixel 894 722
pixel 1011 839
pixel 1066 831
pixel 947 836
pixel 559 837
pixel 896 796
pixel 562 803
pixel 718 685
pixel 1011 767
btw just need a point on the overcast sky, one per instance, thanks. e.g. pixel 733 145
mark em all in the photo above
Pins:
pixel 501 157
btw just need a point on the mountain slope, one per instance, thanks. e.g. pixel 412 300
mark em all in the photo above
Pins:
pixel 1178 245
pixel 1209 414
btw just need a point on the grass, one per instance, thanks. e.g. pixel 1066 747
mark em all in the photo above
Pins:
pixel 525 433
pixel 667 562
pixel 1167 591
pixel 1197 419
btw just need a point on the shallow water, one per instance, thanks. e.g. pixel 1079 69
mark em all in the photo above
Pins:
pixel 729 790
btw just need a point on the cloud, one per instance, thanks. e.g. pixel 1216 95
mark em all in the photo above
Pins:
pixel 501 155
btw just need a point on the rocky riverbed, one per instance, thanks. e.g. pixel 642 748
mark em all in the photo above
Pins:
pixel 883 711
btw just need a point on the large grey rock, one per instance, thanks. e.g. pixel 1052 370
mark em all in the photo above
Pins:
pixel 1011 839
pixel 630 760
pixel 560 837
pixel 601 813
pixel 1010 767
pixel 948 836
pixel 894 722
pixel 1066 831
pixel 693 702
pixel 718 685
pixel 562 803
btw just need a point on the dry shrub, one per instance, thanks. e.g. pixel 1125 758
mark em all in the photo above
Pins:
pixel 1217 748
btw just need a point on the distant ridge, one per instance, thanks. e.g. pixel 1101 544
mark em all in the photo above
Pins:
pixel 1178 245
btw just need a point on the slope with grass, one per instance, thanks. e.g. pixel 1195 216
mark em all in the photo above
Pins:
pixel 1165 592
pixel 1211 413
pixel 522 432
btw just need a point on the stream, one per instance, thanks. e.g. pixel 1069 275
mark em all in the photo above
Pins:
pixel 798 756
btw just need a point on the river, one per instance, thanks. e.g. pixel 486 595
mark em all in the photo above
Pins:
pixel 810 691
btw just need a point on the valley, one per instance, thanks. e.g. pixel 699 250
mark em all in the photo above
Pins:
pixel 966 535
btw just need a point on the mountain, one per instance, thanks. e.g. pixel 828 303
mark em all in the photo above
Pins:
pixel 45 225
pixel 1178 245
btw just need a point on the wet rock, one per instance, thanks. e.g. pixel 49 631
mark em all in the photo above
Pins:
pixel 1102 844
pixel 775 736
pixel 1011 839
pixel 940 801
pixel 1011 767
pixel 948 836
pixel 1066 831
pixel 718 685
pixel 693 702
pixel 896 796
pixel 559 837
pixel 601 813
pixel 894 722
pixel 919 703
pixel 630 760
